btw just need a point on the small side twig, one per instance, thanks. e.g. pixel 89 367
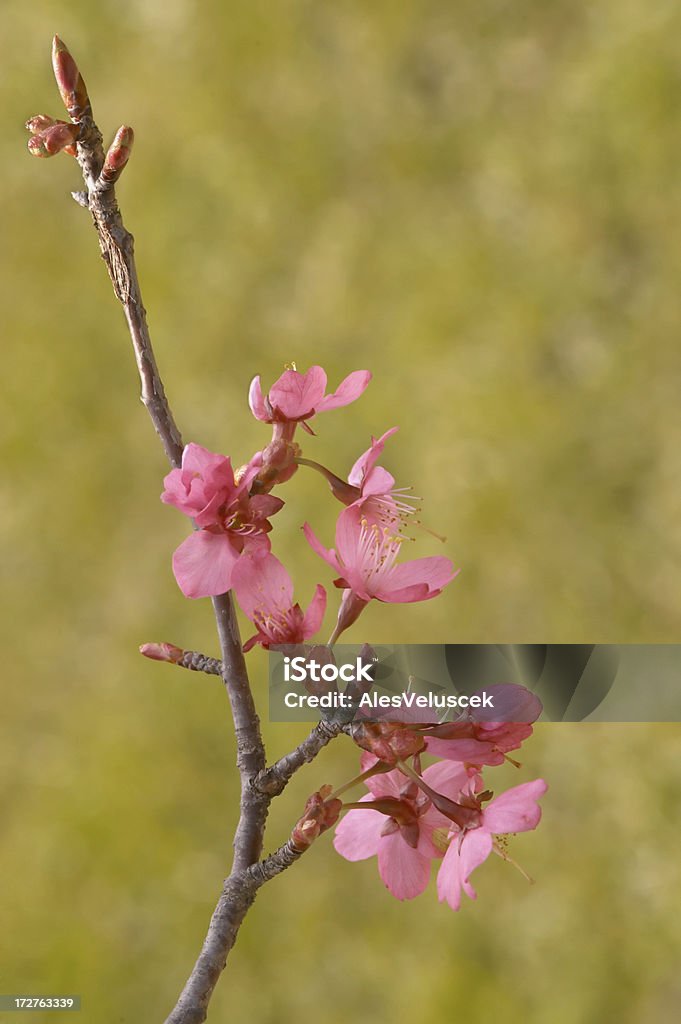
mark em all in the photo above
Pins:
pixel 275 778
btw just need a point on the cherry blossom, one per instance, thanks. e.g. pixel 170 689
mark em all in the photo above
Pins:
pixel 296 397
pixel 264 591
pixel 413 834
pixel 365 557
pixel 370 488
pixel 478 739
pixel 516 810
pixel 230 520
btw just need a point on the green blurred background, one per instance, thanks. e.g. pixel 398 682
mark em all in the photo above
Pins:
pixel 480 203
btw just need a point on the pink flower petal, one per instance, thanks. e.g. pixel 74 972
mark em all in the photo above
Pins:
pixel 430 823
pixel 464 855
pixel 261 584
pixel 385 784
pixel 476 847
pixel 314 615
pixel 516 810
pixel 449 878
pixel 359 833
pixel 328 554
pixel 512 703
pixel 296 396
pixel 347 391
pixel 197 459
pixel 257 402
pixel 447 777
pixel 378 481
pixel 408 595
pixel 404 870
pixel 435 572
pixel 265 505
pixel 366 462
pixel 203 564
pixel 348 534
pixel 470 750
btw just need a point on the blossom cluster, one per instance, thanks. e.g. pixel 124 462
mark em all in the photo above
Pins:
pixel 411 817
pixel 231 509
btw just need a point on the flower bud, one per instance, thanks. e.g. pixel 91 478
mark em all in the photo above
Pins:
pixel 70 81
pixel 117 156
pixel 53 139
pixel 162 652
pixel 320 814
pixel 388 741
pixel 38 123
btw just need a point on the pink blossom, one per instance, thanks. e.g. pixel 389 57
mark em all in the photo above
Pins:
pixel 206 489
pixel 265 593
pixel 297 397
pixel 370 488
pixel 413 834
pixel 479 741
pixel 516 810
pixel 378 499
pixel 365 557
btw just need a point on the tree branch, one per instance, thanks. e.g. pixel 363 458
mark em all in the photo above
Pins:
pixel 236 899
pixel 117 249
pixel 274 779
pixel 248 873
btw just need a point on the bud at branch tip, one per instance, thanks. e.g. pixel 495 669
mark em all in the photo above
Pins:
pixel 69 81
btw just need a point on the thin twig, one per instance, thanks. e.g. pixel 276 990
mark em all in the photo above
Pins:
pixel 248 871
pixel 117 248
pixel 116 245
pixel 274 779
pixel 197 662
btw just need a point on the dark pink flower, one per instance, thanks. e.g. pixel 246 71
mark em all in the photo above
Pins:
pixel 206 489
pixel 265 593
pixel 400 826
pixel 366 559
pixel 516 810
pixel 297 397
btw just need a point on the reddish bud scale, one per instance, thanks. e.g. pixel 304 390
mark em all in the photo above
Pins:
pixel 53 139
pixel 69 81
pixel 117 156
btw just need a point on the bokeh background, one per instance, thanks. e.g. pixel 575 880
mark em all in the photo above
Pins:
pixel 480 203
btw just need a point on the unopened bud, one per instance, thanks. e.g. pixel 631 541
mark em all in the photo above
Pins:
pixel 38 123
pixel 388 741
pixel 162 652
pixel 53 139
pixel 320 814
pixel 70 81
pixel 117 157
